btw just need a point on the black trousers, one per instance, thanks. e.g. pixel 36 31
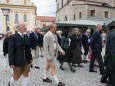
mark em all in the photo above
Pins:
pixel 112 77
pixel 97 56
pixel 86 49
pixel 105 76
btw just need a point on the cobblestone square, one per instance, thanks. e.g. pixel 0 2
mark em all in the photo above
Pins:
pixel 81 78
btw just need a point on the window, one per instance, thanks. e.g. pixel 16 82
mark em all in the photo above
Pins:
pixel 16 17
pixel 106 14
pixel 25 2
pixel 93 13
pixel 57 6
pixel 74 17
pixel 65 18
pixel 8 18
pixel 16 1
pixel 25 18
pixel 80 15
pixel 7 1
pixel 62 3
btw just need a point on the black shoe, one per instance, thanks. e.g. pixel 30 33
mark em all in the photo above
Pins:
pixel 92 71
pixel 80 65
pixel 9 84
pixel 37 67
pixel 47 80
pixel 85 61
pixel 62 68
pixel 61 84
pixel 104 81
pixel 31 66
pixel 110 85
pixel 42 56
pixel 72 70
pixel 74 65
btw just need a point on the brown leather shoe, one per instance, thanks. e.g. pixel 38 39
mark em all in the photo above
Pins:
pixel 47 80
pixel 61 84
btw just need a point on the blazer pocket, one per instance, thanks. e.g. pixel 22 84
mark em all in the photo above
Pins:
pixel 18 44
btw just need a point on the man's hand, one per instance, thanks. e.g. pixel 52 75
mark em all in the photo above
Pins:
pixel 12 66
pixel 49 59
pixel 63 53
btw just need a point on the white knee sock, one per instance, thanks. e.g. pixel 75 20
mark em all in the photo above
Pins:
pixel 45 74
pixel 12 81
pixel 84 57
pixel 56 79
pixel 24 81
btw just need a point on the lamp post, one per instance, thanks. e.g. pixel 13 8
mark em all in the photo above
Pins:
pixel 6 13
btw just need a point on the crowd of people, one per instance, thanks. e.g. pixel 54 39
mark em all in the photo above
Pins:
pixel 21 50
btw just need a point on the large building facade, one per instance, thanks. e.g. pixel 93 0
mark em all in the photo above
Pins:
pixel 20 11
pixel 71 10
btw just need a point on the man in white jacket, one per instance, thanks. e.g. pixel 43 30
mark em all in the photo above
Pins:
pixel 51 47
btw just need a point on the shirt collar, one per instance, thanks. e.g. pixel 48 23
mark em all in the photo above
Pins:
pixel 20 33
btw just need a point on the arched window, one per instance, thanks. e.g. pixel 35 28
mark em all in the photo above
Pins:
pixel 65 18
pixel 25 2
pixel 62 3
pixel 8 18
pixel 16 17
pixel 25 18
pixel 7 1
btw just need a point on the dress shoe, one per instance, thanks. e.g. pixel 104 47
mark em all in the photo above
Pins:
pixel 47 80
pixel 74 65
pixel 104 81
pixel 72 70
pixel 60 84
pixel 42 56
pixel 92 71
pixel 80 65
pixel 9 84
pixel 31 66
pixel 62 68
pixel 37 67
pixel 110 85
pixel 85 61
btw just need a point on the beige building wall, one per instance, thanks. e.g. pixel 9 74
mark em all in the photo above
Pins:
pixel 21 9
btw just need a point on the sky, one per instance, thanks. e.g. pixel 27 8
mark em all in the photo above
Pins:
pixel 45 7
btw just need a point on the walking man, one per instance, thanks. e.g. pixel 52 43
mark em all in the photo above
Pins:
pixel 96 46
pixel 110 57
pixel 85 43
pixel 35 43
pixel 19 55
pixel 51 48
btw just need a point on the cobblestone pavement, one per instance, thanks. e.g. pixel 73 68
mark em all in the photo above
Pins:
pixel 81 78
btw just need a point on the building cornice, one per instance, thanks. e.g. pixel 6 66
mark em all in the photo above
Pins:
pixel 90 1
pixel 17 6
pixel 94 5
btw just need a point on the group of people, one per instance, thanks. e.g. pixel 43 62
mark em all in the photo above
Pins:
pixel 22 52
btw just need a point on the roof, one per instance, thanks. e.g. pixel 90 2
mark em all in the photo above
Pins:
pixel 85 22
pixel 46 18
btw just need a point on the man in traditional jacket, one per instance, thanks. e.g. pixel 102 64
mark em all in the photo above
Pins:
pixel 19 55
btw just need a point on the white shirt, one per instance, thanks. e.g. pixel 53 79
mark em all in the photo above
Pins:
pixel 20 33
pixel 54 39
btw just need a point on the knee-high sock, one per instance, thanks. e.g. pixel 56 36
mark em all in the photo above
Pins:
pixel 24 81
pixel 56 79
pixel 84 57
pixel 45 74
pixel 12 81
